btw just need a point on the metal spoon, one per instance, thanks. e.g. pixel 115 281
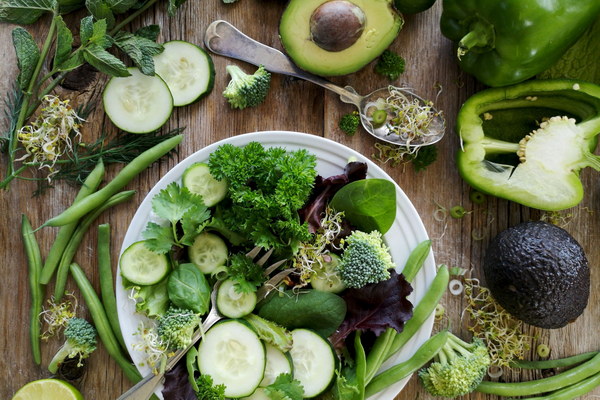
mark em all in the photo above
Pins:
pixel 224 39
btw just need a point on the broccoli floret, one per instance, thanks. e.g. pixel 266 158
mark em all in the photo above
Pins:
pixel 176 327
pixel 245 90
pixel 366 259
pixel 458 368
pixel 80 343
pixel 349 123
pixel 390 65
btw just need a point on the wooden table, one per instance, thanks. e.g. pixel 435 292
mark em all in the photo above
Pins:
pixel 296 106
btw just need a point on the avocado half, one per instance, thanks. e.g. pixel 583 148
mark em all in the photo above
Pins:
pixel 337 37
pixel 539 273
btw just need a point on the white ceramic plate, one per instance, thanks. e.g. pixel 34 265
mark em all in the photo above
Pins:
pixel 406 232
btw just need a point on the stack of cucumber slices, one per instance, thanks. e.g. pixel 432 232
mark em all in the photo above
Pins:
pixel 142 103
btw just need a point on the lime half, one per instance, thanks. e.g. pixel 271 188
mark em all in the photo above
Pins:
pixel 48 389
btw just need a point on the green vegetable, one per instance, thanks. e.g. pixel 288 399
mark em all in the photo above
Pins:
pixel 506 154
pixel 151 300
pixel 130 171
pixel 349 123
pixel 270 332
pixel 102 324
pixel 360 358
pixel 191 364
pixel 80 343
pixel 510 41
pixel 285 387
pixel 267 187
pixel 188 288
pixel 322 312
pixel 413 6
pixel 556 363
pixel 366 259
pixel 176 327
pixel 378 118
pixel 425 353
pixel 207 390
pixel 245 90
pixel 107 289
pixel 368 204
pixel 390 64
pixel 245 272
pixel 573 391
pixel 34 262
pixel 423 157
pixel 458 369
pixel 559 381
pixel 416 259
pixel 457 212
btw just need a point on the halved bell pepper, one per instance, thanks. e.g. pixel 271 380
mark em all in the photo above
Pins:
pixel 528 142
pixel 503 42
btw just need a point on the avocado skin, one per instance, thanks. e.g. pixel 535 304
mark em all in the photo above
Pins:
pixel 539 273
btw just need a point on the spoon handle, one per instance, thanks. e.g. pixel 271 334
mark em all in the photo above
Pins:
pixel 223 38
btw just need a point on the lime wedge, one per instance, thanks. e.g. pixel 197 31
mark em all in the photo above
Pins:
pixel 48 389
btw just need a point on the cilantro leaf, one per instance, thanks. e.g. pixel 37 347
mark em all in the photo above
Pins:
pixel 28 55
pixel 64 42
pixel 172 202
pixel 160 239
pixel 285 387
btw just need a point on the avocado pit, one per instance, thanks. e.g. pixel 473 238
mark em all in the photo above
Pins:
pixel 336 25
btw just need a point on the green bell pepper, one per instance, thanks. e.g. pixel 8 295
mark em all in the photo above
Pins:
pixel 528 142
pixel 503 42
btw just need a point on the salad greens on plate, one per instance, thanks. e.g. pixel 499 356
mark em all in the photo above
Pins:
pixel 308 281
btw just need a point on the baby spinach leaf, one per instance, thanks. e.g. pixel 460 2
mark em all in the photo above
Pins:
pixel 25 11
pixel 188 288
pixel 368 204
pixel 64 42
pixel 322 312
pixel 28 55
pixel 105 62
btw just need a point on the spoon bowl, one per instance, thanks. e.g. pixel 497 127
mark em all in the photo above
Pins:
pixel 224 39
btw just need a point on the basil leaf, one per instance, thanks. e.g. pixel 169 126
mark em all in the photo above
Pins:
pixel 104 62
pixel 139 49
pixel 64 42
pixel 149 32
pixel 28 55
pixel 188 288
pixel 120 6
pixel 86 29
pixel 24 11
pixel 100 10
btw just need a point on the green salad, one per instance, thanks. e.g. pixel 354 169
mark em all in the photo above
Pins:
pixel 306 284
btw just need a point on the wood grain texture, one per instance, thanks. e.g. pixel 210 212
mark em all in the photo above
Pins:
pixel 296 106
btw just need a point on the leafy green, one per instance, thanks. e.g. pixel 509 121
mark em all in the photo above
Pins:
pixel 25 11
pixel 368 204
pixel 64 42
pixel 322 312
pixel 152 300
pixel 173 6
pixel 28 55
pixel 120 6
pixel 285 387
pixel 149 32
pixel 207 390
pixel 105 62
pixel 188 288
pixel 349 123
pixel 247 275
pixel 100 10
pixel 267 187
pixel 424 157
pixel 390 64
pixel 177 205
pixel 140 49
pixel 270 332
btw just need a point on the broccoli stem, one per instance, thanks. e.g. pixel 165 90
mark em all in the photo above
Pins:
pixel 61 355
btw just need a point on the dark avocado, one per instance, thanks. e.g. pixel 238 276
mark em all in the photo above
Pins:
pixel 539 273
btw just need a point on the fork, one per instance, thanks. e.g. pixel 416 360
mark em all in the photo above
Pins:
pixel 144 389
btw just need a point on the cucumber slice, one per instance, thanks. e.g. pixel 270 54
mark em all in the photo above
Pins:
pixel 313 361
pixel 278 363
pixel 208 252
pixel 142 266
pixel 187 69
pixel 198 179
pixel 327 277
pixel 233 355
pixel 232 303
pixel 138 103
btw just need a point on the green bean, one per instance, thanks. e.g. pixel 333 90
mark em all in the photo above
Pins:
pixel 107 289
pixel 423 310
pixel 34 260
pixel 400 371
pixel 416 259
pixel 89 186
pixel 574 391
pixel 360 360
pixel 543 385
pixel 71 248
pixel 556 363
pixel 381 348
pixel 131 170
pixel 102 325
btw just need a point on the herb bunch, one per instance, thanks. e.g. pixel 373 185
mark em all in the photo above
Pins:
pixel 99 34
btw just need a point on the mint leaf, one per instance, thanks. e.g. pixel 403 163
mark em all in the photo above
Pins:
pixel 100 10
pixel 173 6
pixel 159 238
pixel 149 32
pixel 99 35
pixel 86 29
pixel 64 42
pixel 75 60
pixel 104 62
pixel 120 6
pixel 24 11
pixel 139 49
pixel 28 55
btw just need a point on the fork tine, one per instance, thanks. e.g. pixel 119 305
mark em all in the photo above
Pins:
pixel 264 258
pixel 274 266
pixel 272 284
pixel 254 252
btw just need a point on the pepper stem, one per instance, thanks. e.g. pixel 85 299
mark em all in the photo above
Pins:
pixel 480 36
